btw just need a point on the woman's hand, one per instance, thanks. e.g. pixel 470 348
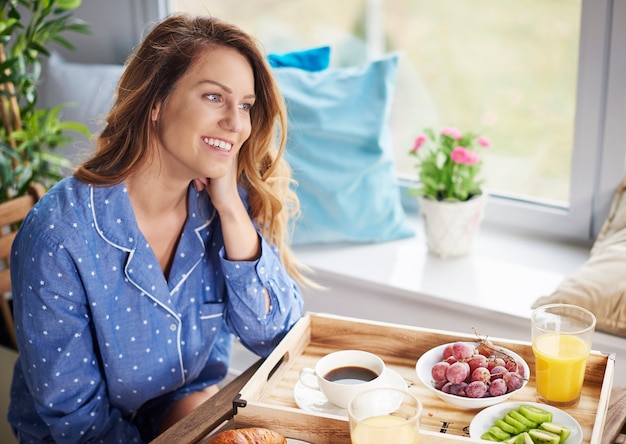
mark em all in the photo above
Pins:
pixel 200 183
pixel 223 190
pixel 241 240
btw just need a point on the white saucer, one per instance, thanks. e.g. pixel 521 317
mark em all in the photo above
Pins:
pixel 314 401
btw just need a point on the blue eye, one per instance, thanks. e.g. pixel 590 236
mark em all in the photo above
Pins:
pixel 246 106
pixel 213 97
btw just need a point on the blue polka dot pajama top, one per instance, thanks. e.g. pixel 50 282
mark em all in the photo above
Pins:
pixel 106 343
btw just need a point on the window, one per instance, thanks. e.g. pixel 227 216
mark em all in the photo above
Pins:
pixel 543 79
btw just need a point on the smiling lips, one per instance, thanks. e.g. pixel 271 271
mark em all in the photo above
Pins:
pixel 219 144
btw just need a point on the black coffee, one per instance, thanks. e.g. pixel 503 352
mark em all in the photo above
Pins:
pixel 350 375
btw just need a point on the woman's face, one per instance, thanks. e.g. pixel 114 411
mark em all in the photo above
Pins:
pixel 206 120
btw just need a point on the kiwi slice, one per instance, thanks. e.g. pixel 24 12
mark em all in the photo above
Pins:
pixel 540 436
pixel 511 430
pixel 524 420
pixel 523 438
pixel 519 427
pixel 558 429
pixel 498 433
pixel 488 437
pixel 535 414
pixel 512 439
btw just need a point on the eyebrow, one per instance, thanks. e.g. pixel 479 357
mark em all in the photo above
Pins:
pixel 226 88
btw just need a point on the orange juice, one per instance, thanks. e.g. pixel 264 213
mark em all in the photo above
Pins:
pixel 384 430
pixel 560 367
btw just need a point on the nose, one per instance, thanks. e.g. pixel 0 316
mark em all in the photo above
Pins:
pixel 231 119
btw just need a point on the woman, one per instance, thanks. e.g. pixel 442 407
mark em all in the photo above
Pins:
pixel 131 277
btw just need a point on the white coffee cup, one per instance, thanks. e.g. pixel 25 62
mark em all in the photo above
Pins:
pixel 343 374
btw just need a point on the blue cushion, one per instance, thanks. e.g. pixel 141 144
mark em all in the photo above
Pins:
pixel 314 59
pixel 339 148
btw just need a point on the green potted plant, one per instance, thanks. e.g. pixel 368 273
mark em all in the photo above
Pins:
pixel 28 135
pixel 450 191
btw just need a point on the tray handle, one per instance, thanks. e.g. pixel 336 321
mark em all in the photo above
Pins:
pixel 273 365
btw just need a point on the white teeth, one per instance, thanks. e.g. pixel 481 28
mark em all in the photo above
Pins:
pixel 219 144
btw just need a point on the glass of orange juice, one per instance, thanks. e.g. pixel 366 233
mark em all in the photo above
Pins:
pixel 384 416
pixel 561 340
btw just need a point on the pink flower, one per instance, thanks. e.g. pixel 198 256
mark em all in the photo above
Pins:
pixel 463 156
pixel 419 141
pixel 459 154
pixel 483 141
pixel 472 158
pixel 452 132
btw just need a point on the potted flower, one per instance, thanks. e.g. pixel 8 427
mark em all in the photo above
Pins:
pixel 450 191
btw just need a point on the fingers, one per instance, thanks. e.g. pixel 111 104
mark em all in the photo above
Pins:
pixel 200 182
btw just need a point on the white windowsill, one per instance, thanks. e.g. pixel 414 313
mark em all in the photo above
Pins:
pixel 505 272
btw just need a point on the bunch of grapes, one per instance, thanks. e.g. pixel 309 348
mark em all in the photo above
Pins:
pixel 476 371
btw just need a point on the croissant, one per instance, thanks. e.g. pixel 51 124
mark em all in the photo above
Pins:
pixel 251 435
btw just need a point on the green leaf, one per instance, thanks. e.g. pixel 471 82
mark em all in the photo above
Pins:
pixel 68 4
pixel 7 26
pixel 35 48
pixel 76 127
pixel 78 26
pixel 63 42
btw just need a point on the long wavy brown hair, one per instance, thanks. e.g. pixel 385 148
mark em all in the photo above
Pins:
pixel 150 77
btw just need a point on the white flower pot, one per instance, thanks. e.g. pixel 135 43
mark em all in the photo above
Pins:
pixel 450 227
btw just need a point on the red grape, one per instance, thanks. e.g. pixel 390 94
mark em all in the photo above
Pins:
pixel 462 351
pixel 439 384
pixel 476 389
pixel 497 387
pixel 481 374
pixel 458 389
pixel 513 381
pixel 499 361
pixel 511 365
pixel 498 371
pixel 438 371
pixel 446 387
pixel 477 361
pixel 450 359
pixel 457 372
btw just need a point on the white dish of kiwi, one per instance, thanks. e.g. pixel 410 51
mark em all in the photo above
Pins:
pixel 525 423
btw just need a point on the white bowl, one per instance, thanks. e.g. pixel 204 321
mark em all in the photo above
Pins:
pixel 431 357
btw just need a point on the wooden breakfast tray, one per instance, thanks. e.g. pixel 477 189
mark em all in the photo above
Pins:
pixel 269 400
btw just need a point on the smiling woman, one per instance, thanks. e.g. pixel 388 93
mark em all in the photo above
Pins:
pixel 132 277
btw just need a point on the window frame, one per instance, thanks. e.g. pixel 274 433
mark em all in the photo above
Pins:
pixel 599 158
